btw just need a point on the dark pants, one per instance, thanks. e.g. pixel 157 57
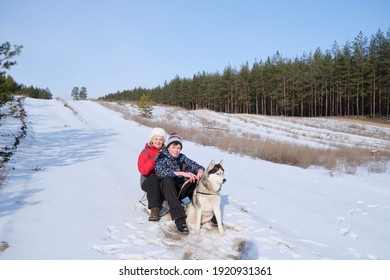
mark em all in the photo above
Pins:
pixel 151 186
pixel 171 193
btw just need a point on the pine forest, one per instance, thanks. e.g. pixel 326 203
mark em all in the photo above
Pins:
pixel 349 80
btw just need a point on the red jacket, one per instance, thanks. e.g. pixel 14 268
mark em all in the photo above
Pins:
pixel 147 159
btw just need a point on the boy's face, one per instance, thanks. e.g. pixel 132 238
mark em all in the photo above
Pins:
pixel 174 149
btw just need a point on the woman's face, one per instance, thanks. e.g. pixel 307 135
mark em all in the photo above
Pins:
pixel 158 142
pixel 174 149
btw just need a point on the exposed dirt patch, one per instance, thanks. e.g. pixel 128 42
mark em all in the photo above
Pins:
pixel 12 112
pixel 4 245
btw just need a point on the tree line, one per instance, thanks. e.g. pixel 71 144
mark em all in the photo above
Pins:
pixel 8 86
pixel 353 79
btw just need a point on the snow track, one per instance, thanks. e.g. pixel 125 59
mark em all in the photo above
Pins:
pixel 168 244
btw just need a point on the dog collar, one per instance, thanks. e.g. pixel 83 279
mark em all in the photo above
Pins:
pixel 207 193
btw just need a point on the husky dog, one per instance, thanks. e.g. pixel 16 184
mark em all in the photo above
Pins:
pixel 206 200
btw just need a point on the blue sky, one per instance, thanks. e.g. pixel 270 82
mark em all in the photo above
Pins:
pixel 109 46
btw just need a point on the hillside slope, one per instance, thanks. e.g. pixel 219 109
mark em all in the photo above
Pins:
pixel 72 192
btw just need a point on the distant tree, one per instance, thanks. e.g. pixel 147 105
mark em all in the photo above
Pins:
pixel 83 93
pixel 75 93
pixel 34 92
pixel 46 94
pixel 145 106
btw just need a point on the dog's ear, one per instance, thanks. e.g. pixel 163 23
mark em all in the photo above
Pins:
pixel 211 165
pixel 221 163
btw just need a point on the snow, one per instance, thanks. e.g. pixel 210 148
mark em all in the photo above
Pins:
pixel 72 192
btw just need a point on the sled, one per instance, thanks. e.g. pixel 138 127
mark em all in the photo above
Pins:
pixel 165 207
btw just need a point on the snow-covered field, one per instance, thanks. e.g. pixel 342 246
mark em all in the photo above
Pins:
pixel 72 192
pixel 319 132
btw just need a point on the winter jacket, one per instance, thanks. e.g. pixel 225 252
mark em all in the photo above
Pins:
pixel 146 161
pixel 166 165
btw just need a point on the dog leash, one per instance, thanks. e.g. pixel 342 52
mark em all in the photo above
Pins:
pixel 186 182
pixel 182 187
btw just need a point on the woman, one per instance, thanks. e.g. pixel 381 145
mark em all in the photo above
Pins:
pixel 149 181
pixel 174 169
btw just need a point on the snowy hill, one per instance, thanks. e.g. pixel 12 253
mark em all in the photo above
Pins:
pixel 72 192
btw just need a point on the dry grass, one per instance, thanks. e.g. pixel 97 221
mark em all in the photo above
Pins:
pixel 342 159
pixel 361 120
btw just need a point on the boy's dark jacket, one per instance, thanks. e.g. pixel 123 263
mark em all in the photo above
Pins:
pixel 166 165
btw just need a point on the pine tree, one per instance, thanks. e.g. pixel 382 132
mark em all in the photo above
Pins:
pixel 6 54
pixel 75 93
pixel 145 106
pixel 83 93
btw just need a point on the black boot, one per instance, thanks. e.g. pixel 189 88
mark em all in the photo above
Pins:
pixel 214 222
pixel 181 226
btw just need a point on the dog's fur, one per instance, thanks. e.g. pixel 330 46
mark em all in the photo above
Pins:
pixel 206 200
